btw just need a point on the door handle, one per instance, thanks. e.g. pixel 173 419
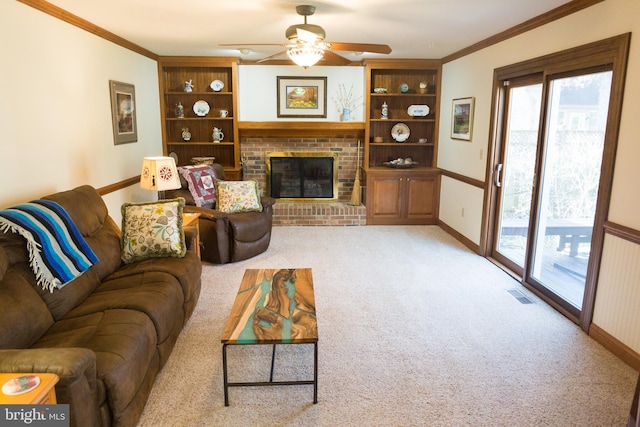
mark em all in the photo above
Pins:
pixel 496 175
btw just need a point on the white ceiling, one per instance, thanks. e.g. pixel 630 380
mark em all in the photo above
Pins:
pixel 412 28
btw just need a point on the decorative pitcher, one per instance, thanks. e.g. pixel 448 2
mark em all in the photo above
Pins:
pixel 217 135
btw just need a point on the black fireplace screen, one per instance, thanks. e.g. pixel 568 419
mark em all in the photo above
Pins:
pixel 302 177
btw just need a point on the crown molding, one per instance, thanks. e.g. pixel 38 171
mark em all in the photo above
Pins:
pixel 76 21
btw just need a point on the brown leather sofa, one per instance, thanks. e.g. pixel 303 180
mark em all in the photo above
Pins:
pixel 106 334
pixel 229 237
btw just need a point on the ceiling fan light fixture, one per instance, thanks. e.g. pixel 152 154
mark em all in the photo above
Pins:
pixel 305 55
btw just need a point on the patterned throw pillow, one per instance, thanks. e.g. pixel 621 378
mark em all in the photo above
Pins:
pixel 201 180
pixel 238 196
pixel 152 230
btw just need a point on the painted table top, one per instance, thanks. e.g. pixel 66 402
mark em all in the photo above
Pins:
pixel 273 306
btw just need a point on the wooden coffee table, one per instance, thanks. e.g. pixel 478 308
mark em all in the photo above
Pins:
pixel 273 306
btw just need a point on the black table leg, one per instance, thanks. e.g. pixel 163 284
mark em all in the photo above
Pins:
pixel 273 358
pixel 228 384
pixel 315 372
pixel 224 373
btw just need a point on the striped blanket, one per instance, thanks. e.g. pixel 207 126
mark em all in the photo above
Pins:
pixel 57 251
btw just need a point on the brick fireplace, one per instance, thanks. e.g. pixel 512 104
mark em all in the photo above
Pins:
pixel 302 176
pixel 253 153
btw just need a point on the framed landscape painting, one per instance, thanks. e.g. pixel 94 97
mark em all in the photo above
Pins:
pixel 123 112
pixel 462 118
pixel 302 97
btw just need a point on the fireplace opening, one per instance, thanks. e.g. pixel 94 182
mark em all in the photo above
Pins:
pixel 305 176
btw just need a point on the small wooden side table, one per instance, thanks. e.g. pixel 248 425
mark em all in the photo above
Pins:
pixel 43 394
pixel 191 219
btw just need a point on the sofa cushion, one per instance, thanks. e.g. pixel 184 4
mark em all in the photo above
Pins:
pixel 124 342
pixel 25 317
pixel 4 262
pixel 152 230
pixel 158 295
pixel 186 270
pixel 238 196
pixel 61 301
pixel 85 207
pixel 89 213
pixel 201 183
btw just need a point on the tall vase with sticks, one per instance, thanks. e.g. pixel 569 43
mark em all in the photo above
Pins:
pixel 355 194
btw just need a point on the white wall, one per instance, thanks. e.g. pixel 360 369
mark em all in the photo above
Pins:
pixel 55 117
pixel 465 215
pixel 472 76
pixel 257 94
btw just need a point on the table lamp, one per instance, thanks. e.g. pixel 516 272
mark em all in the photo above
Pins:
pixel 159 174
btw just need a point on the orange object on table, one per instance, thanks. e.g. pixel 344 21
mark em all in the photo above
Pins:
pixel 28 388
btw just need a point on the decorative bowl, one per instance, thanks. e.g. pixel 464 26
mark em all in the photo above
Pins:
pixel 401 163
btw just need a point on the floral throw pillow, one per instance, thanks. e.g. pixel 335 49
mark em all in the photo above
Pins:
pixel 152 230
pixel 238 196
pixel 201 180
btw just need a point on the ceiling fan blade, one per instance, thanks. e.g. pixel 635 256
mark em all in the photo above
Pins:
pixel 361 47
pixel 251 44
pixel 270 57
pixel 334 59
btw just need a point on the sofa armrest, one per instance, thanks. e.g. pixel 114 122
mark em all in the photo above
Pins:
pixel 267 201
pixel 76 368
pixel 190 235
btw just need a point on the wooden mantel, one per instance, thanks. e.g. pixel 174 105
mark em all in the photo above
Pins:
pixel 301 129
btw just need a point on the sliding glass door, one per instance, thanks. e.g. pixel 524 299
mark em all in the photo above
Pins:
pixel 547 180
pixel 576 118
pixel 514 174
pixel 553 142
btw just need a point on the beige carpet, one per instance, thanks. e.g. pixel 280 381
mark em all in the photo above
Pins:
pixel 415 330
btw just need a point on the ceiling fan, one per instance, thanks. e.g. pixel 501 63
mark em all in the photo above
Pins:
pixel 306 44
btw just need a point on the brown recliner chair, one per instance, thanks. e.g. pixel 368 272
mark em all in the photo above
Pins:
pixel 229 237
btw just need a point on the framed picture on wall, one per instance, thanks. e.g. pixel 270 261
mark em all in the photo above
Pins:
pixel 302 97
pixel 123 112
pixel 462 118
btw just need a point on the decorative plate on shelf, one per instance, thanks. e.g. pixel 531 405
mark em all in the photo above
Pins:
pixel 216 85
pixel 201 108
pixel 418 110
pixel 400 132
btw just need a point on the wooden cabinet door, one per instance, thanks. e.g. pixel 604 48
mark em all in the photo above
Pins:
pixel 384 195
pixel 419 197
pixel 402 197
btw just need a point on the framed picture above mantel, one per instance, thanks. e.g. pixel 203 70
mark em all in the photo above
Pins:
pixel 302 97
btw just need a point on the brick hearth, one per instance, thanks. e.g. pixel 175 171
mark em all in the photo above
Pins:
pixel 308 213
pixel 322 213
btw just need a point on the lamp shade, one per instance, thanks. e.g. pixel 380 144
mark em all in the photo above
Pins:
pixel 159 174
pixel 305 55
